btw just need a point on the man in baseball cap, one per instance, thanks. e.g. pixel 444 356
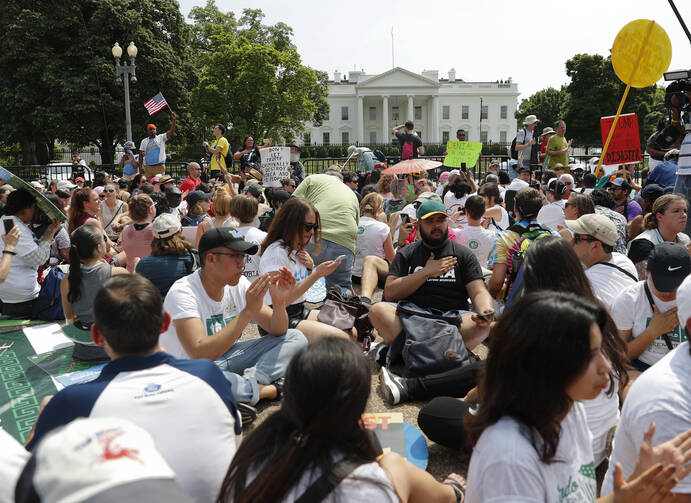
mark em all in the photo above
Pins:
pixel 609 272
pixel 211 307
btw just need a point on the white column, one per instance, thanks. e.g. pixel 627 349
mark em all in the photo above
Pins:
pixel 435 119
pixel 386 134
pixel 410 108
pixel 360 121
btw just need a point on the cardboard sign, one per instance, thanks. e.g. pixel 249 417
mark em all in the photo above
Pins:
pixel 388 427
pixel 275 165
pixel 625 145
pixel 458 152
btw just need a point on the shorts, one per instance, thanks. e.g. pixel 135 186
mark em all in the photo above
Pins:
pixel 153 170
pixel 296 313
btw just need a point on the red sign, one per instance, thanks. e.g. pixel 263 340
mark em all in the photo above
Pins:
pixel 625 145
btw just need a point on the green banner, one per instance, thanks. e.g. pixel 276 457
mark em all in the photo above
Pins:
pixel 458 152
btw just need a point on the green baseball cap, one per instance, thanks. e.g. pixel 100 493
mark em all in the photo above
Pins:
pixel 79 332
pixel 429 208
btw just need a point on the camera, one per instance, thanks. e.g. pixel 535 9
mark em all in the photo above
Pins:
pixel 675 94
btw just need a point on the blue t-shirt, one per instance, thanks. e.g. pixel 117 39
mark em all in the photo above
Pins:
pixel 165 270
pixel 128 168
pixel 664 174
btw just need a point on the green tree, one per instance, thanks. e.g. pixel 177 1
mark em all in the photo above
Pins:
pixel 594 92
pixel 57 79
pixel 252 76
pixel 547 105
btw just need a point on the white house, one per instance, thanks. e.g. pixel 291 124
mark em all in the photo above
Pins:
pixel 364 108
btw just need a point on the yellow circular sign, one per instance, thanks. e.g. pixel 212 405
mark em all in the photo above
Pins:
pixel 641 53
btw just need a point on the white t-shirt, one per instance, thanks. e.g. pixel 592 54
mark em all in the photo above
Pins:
pixel 517 184
pixel 505 467
pixel 608 282
pixel 187 298
pixel 21 283
pixel 631 311
pixel 662 394
pixel 154 149
pixel 479 240
pixel 452 203
pixel 371 236
pixel 252 235
pixel 552 215
pixel 603 415
pixel 504 222
pixel 276 256
pixel 14 457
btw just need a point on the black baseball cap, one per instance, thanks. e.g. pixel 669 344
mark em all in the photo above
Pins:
pixel 227 238
pixel 652 191
pixel 668 265
pixel 195 196
pixel 523 169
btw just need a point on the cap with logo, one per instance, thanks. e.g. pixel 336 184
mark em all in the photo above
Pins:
pixel 668 265
pixel 227 238
pixel 98 459
pixel 598 226
pixel 430 208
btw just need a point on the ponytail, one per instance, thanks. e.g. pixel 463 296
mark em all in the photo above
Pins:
pixel 84 243
pixel 74 279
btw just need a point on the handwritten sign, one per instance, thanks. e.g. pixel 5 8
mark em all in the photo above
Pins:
pixel 625 145
pixel 458 152
pixel 275 165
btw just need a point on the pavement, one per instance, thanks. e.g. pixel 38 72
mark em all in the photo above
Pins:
pixel 442 460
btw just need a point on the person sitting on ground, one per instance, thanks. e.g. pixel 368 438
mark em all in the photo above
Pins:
pixel 20 289
pixel 172 396
pixel 395 200
pixel 478 239
pixel 604 204
pixel 112 209
pixel 551 215
pixel 620 190
pixel 60 248
pixel 275 198
pixel 211 308
pixel 665 223
pixel 172 256
pixel 494 210
pixel 296 223
pixel 609 272
pixel 517 437
pixel 197 207
pixel 136 184
pixel 649 195
pixel 665 173
pixel 661 396
pixel 646 312
pixel 88 272
pixel 243 209
pixel 222 218
pixel 10 240
pixel 317 429
pixel 136 237
pixel 193 180
pixel 374 251
pixel 433 272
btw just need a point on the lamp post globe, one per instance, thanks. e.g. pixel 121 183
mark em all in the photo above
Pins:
pixel 132 50
pixel 117 51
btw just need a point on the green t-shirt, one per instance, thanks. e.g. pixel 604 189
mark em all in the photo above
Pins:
pixel 337 206
pixel 557 142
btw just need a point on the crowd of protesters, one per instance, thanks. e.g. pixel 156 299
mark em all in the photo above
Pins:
pixel 578 286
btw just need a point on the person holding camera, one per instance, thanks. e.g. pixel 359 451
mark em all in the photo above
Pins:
pixel 129 162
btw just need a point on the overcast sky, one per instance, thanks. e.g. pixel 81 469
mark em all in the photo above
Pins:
pixel 483 40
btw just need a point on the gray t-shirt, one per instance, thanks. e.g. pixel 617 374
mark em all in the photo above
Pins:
pixel 522 137
pixel 93 277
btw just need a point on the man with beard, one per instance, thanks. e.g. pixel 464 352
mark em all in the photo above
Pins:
pixel 434 272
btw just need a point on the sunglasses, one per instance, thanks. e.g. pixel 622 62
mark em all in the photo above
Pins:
pixel 577 238
pixel 238 257
pixel 311 227
pixel 102 196
pixel 108 190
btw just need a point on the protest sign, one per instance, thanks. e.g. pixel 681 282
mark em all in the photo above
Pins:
pixel 625 144
pixel 275 165
pixel 458 152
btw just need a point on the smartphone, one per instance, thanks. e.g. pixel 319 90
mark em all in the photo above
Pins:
pixel 485 316
pixel 8 222
pixel 464 168
pixel 405 219
pixel 340 257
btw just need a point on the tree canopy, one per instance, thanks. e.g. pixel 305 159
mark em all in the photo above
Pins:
pixel 547 105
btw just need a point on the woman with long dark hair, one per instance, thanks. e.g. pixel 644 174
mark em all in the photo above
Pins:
pixel 317 427
pixel 136 184
pixel 295 223
pixel 530 435
pixel 87 274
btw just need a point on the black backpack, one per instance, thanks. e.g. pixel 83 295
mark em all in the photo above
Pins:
pixel 514 152
pixel 379 155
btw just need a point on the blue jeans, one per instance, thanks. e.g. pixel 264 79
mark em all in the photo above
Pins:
pixel 329 251
pixel 247 364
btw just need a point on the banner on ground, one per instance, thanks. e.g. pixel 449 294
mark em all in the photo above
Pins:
pixel 625 145
pixel 458 152
pixel 275 165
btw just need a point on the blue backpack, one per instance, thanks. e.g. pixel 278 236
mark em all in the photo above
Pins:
pixel 48 305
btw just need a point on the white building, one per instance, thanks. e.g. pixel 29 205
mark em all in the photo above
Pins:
pixel 364 108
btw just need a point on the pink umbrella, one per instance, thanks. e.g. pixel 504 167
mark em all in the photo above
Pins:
pixel 411 166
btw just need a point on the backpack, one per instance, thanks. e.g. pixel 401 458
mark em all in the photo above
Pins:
pixel 48 305
pixel 407 150
pixel 516 254
pixel 513 152
pixel 379 155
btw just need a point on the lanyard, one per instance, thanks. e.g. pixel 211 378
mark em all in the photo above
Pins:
pixel 652 306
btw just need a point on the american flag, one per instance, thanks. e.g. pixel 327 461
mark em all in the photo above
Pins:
pixel 155 104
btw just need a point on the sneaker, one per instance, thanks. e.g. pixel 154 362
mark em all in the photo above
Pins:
pixel 247 413
pixel 393 387
pixel 379 350
pixel 366 300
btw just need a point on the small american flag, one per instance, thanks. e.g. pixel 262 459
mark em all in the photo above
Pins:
pixel 155 104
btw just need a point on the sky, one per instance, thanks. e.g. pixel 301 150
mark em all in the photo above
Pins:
pixel 483 40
